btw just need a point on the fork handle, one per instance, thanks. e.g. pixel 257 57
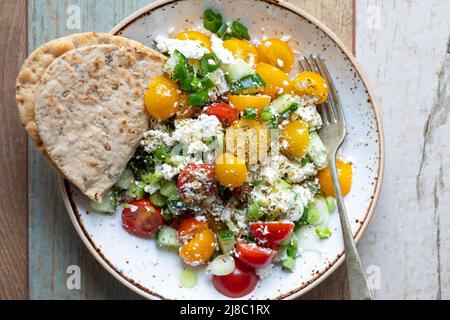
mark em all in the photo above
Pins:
pixel 358 284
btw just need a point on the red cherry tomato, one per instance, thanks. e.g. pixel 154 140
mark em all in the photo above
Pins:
pixel 240 283
pixel 254 255
pixel 196 182
pixel 142 219
pixel 269 234
pixel 189 227
pixel 226 114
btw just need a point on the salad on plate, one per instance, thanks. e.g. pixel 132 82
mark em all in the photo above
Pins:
pixel 232 173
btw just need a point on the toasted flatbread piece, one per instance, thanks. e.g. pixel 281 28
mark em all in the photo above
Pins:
pixel 37 63
pixel 90 113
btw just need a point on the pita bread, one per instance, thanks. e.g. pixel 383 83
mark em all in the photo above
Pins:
pixel 89 109
pixel 37 63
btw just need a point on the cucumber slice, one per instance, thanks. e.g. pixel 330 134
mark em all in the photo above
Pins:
pixel 331 204
pixel 237 71
pixel 284 105
pixel 169 189
pixel 226 240
pixel 317 151
pixel 167 237
pixel 108 205
pixel 126 179
pixel 158 200
pixel 248 85
pixel 188 279
pixel 318 214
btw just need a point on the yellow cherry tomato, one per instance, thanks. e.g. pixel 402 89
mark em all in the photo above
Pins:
pixel 276 80
pixel 243 102
pixel 311 84
pixel 249 139
pixel 295 138
pixel 195 35
pixel 200 249
pixel 230 171
pixel 345 174
pixel 162 98
pixel 277 53
pixel 242 49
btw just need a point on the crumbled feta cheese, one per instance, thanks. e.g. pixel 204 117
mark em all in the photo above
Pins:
pixel 191 49
pixel 264 273
pixel 167 171
pixel 218 77
pixel 225 55
pixel 152 188
pixel 309 114
pixel 190 130
pixel 154 139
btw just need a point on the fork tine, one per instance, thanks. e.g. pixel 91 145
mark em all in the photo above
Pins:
pixel 327 110
pixel 334 95
pixel 304 64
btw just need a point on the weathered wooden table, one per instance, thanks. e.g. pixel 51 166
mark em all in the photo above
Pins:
pixel 403 47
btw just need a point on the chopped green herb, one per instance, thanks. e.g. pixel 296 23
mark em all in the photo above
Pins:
pixel 305 160
pixel 239 31
pixel 212 20
pixel 257 182
pixel 198 98
pixel 209 63
pixel 222 30
pixel 162 153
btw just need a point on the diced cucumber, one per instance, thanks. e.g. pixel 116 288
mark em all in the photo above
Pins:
pixel 152 179
pixel 176 206
pixel 188 279
pixel 136 190
pixel 293 247
pixel 289 263
pixel 167 237
pixel 237 71
pixel 323 232
pixel 317 151
pixel 108 204
pixel 126 179
pixel 331 204
pixel 281 185
pixel 248 85
pixel 158 200
pixel 318 214
pixel 284 105
pixel 169 189
pixel 226 240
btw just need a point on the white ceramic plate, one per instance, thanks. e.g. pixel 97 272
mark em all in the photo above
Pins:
pixel 154 273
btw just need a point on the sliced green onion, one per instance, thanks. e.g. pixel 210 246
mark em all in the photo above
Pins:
pixel 288 263
pixel 158 200
pixel 169 189
pixel 181 72
pixel 323 232
pixel 209 63
pixel 222 30
pixel 206 83
pixel 250 113
pixel 212 20
pixel 222 265
pixel 293 246
pixel 305 160
pixel 228 37
pixel 195 83
pixel 239 31
pixel 198 98
pixel 188 279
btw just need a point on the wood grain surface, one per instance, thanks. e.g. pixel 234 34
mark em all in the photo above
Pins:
pixel 53 243
pixel 13 155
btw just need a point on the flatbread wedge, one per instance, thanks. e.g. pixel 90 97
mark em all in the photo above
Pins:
pixel 90 112
pixel 37 63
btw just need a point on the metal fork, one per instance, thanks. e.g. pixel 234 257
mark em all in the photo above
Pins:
pixel 333 134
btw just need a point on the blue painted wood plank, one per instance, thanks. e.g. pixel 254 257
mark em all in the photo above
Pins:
pixel 53 242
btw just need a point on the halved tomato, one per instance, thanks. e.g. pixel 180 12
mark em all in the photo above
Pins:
pixel 142 219
pixel 240 283
pixel 254 255
pixel 269 234
pixel 196 182
pixel 189 227
pixel 226 114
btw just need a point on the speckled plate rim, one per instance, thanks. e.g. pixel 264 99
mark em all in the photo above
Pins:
pixel 305 287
